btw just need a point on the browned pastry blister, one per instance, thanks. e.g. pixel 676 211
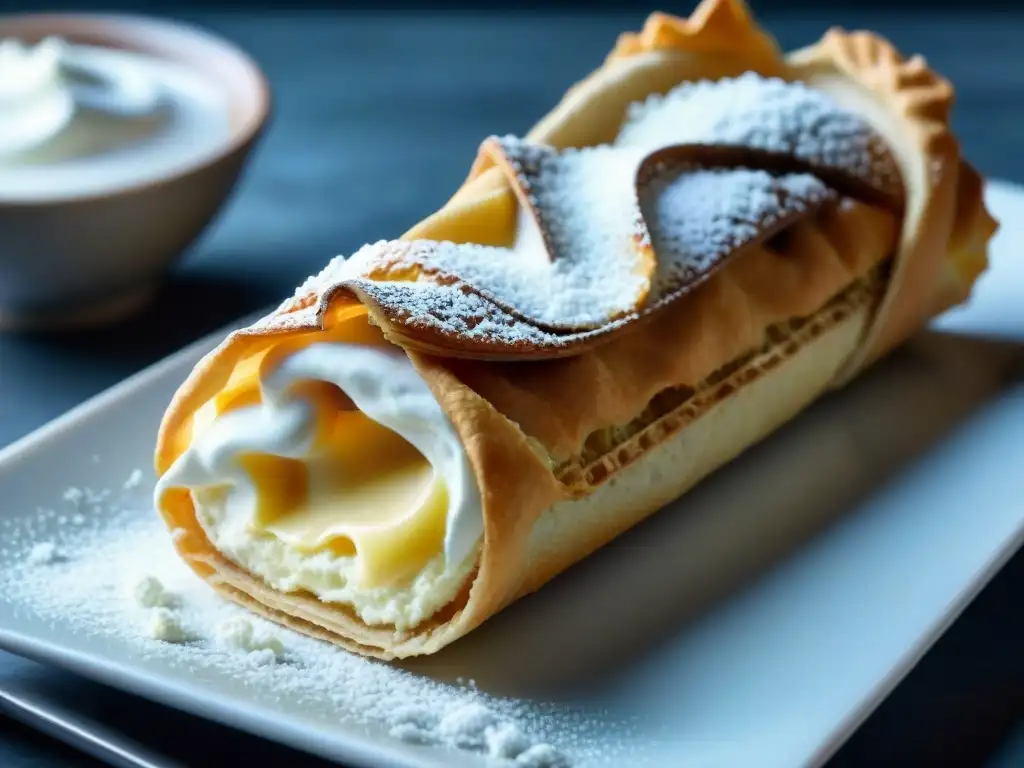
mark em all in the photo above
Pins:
pixel 690 285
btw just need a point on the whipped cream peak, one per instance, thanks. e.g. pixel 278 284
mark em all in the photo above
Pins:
pixel 35 102
pixel 26 68
pixel 43 85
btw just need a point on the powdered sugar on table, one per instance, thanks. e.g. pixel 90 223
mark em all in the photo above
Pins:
pixel 118 578
pixel 769 114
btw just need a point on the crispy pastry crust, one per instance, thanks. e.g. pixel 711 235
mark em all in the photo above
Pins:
pixel 571 452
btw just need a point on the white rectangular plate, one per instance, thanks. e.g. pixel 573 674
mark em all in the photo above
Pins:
pixel 755 622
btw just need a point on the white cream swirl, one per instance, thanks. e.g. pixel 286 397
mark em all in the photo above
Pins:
pixel 35 102
pixel 384 386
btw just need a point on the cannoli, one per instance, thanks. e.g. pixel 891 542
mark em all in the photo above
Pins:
pixel 703 237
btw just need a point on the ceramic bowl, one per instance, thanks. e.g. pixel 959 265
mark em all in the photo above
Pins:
pixel 92 258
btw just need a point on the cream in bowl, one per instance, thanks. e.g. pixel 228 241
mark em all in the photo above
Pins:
pixel 96 120
pixel 35 105
pixel 120 139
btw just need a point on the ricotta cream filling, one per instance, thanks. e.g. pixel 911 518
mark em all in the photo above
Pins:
pixel 374 505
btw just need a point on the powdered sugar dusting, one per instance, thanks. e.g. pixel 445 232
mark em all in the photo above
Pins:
pixel 767 114
pixel 591 219
pixel 455 309
pixel 218 646
pixel 584 267
pixel 134 480
pixel 445 311
pixel 698 217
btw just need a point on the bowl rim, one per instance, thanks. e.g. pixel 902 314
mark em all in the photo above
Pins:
pixel 241 139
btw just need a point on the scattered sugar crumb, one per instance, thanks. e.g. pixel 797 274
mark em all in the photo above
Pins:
pixel 74 495
pixel 43 553
pixel 542 756
pixel 768 114
pixel 697 217
pixel 149 592
pixel 506 741
pixel 238 634
pixel 78 519
pixel 466 727
pixel 415 724
pixel 134 480
pixel 165 625
pixel 263 657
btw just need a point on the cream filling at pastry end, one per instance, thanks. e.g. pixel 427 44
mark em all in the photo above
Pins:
pixel 346 481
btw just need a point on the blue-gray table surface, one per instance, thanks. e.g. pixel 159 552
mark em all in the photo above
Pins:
pixel 377 118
